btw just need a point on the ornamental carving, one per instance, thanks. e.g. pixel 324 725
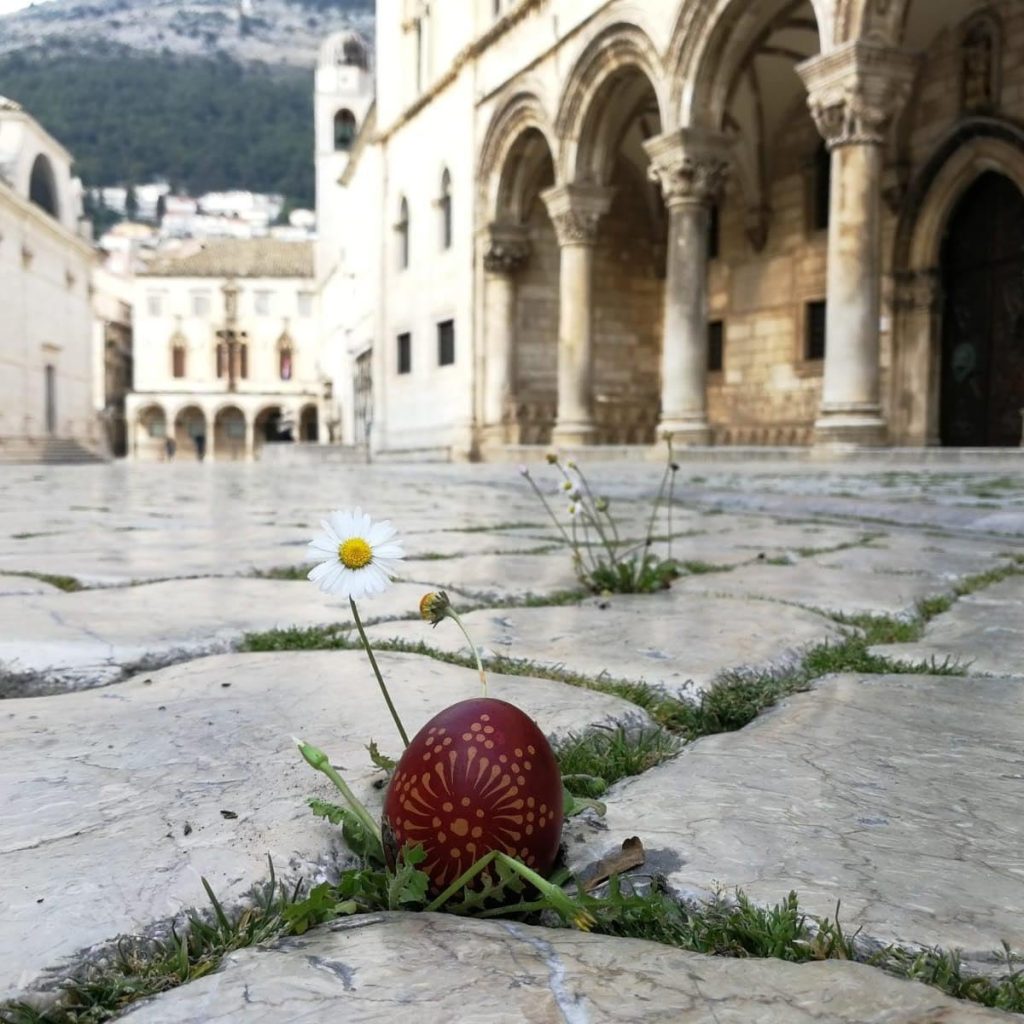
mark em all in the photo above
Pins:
pixel 979 65
pixel 576 211
pixel 918 290
pixel 506 253
pixel 576 227
pixel 691 180
pixel 857 91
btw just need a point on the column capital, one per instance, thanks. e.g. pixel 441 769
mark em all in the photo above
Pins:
pixel 855 91
pixel 507 248
pixel 575 211
pixel 690 165
pixel 918 289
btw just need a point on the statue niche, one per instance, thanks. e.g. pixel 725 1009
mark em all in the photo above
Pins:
pixel 980 65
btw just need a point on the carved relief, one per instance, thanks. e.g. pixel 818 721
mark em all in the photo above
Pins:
pixel 576 211
pixel 980 65
pixel 691 180
pixel 918 290
pixel 508 250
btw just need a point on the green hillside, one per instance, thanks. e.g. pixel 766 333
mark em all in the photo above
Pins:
pixel 203 123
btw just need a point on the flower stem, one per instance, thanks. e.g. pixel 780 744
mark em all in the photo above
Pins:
pixel 454 616
pixel 376 672
pixel 550 510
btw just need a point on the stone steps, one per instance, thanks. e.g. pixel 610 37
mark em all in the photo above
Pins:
pixel 49 450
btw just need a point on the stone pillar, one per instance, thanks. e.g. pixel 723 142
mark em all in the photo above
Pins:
pixel 854 94
pixel 507 251
pixel 916 357
pixel 250 439
pixel 691 168
pixel 575 211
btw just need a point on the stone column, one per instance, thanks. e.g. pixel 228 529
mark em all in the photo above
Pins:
pixel 250 439
pixel 575 211
pixel 691 168
pixel 916 357
pixel 854 94
pixel 507 251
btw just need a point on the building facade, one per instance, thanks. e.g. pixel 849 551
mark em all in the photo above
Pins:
pixel 226 353
pixel 46 359
pixel 723 221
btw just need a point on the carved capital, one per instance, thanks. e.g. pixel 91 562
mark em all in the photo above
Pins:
pixel 690 167
pixel 576 210
pixel 918 290
pixel 855 92
pixel 507 250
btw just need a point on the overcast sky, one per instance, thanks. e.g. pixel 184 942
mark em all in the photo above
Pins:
pixel 6 6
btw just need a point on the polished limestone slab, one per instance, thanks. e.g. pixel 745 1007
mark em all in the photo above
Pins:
pixel 380 968
pixel 673 640
pixel 983 631
pixel 897 795
pixel 117 801
pixel 496 576
pixel 91 638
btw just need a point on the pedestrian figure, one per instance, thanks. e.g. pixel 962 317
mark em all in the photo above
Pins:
pixel 200 446
pixel 170 446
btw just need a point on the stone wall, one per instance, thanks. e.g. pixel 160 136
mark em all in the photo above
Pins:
pixel 767 393
pixel 628 311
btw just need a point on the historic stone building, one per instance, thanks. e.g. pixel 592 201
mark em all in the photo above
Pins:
pixel 47 407
pixel 727 221
pixel 226 352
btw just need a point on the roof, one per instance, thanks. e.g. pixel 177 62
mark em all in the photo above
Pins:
pixel 8 104
pixel 239 257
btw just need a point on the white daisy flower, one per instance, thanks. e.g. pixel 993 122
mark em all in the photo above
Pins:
pixel 357 556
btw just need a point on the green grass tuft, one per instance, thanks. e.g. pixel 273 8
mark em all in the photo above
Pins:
pixel 66 583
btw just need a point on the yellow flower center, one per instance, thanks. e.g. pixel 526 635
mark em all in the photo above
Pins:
pixel 355 553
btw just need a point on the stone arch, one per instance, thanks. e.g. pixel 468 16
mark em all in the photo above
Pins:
pixel 150 431
pixel 523 112
pixel 42 187
pixel 973 148
pixel 229 430
pixel 271 426
pixel 309 423
pixel 191 429
pixel 345 128
pixel 712 41
pixel 585 125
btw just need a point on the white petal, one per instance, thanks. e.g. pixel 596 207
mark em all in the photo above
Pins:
pixel 391 550
pixel 342 523
pixel 322 546
pixel 318 572
pixel 329 530
pixel 329 584
pixel 381 533
pixel 389 566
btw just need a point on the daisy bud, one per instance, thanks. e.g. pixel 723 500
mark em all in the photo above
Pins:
pixel 434 606
pixel 524 470
pixel 552 458
pixel 314 757
pixel 571 464
pixel 601 504
pixel 566 485
pixel 674 466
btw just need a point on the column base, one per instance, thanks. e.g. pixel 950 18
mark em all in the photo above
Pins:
pixel 850 427
pixel 685 433
pixel 573 435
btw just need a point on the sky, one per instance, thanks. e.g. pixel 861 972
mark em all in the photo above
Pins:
pixel 7 6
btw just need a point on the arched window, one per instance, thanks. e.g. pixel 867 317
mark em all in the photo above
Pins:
pixel 243 356
pixel 344 129
pixel 42 187
pixel 222 355
pixel 444 204
pixel 402 233
pixel 178 364
pixel 285 357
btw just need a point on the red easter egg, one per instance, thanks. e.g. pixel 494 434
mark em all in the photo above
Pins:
pixel 479 776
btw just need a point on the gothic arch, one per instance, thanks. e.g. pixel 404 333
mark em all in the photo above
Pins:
pixel 42 187
pixel 581 124
pixel 521 113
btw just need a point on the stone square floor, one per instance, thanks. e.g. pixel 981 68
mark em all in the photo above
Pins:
pixel 145 719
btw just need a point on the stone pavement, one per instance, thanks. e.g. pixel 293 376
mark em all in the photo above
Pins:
pixel 898 795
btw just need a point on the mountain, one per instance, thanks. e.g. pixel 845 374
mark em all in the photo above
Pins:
pixel 275 32
pixel 209 95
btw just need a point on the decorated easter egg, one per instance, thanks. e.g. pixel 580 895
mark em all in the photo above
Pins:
pixel 479 776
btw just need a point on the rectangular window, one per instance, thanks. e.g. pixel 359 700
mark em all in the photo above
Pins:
pixel 154 303
pixel 821 198
pixel 714 232
pixel 716 346
pixel 405 353
pixel 261 303
pixel 305 304
pixel 446 343
pixel 200 304
pixel 814 331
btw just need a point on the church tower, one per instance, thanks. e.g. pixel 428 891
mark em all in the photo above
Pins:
pixel 343 98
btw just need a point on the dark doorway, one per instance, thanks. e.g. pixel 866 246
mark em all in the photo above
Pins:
pixel 983 325
pixel 51 399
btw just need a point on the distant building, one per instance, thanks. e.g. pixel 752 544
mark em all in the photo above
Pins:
pixel 743 222
pixel 226 354
pixel 46 364
pixel 112 296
